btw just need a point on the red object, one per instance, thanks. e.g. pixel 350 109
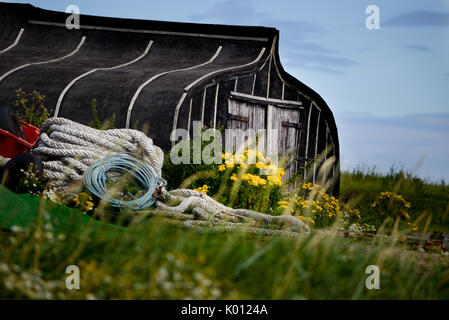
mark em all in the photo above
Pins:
pixel 11 145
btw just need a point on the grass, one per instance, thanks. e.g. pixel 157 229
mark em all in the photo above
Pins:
pixel 429 201
pixel 154 260
pixel 151 259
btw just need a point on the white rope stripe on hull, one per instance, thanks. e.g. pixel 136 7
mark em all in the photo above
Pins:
pixel 83 39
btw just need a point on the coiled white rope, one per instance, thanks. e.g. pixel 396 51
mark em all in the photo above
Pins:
pixel 68 148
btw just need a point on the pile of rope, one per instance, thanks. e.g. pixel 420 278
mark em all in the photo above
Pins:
pixel 68 148
pixel 72 152
pixel 196 210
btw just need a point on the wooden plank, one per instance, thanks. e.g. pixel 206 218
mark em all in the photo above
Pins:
pixel 203 106
pixel 215 104
pixel 262 100
pixel 245 116
pixel 175 33
pixel 143 85
pixel 191 85
pixel 254 84
pixel 306 155
pixel 238 118
pixel 71 83
pixel 190 116
pixel 291 124
pixel 15 42
pixel 268 78
pixel 80 44
pixel 316 146
pixel 286 121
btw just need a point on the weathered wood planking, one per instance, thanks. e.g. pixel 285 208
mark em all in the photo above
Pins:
pixel 244 116
pixel 287 121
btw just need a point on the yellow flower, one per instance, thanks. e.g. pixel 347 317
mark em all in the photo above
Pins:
pixel 253 179
pixel 83 202
pixel 260 156
pixel 234 177
pixel 202 189
pixel 275 180
pixel 306 220
pixel 222 167
pixel 281 172
pixel 249 153
pixel 307 186
pixel 259 165
pixel 89 205
pixel 229 159
pixel 226 155
pixel 355 212
pixel 240 158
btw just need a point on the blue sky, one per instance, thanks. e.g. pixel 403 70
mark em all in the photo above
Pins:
pixel 388 88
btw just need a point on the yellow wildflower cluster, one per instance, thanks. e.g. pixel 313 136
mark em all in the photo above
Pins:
pixel 202 189
pixel 286 206
pixel 283 204
pixel 317 202
pixel 414 226
pixel 83 202
pixel 248 156
pixel 273 173
pixel 355 212
pixel 232 159
pixel 313 205
pixel 308 186
pixel 306 220
pixel 276 179
pixel 254 180
pixel 392 203
pixel 331 205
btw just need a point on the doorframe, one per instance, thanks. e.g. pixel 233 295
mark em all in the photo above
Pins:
pixel 266 101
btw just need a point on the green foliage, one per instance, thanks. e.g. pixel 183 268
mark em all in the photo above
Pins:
pixel 391 203
pixel 83 202
pixel 312 205
pixel 108 123
pixel 176 174
pixel 95 123
pixel 249 181
pixel 30 182
pixel 235 183
pixel 152 260
pixel 31 108
pixel 429 202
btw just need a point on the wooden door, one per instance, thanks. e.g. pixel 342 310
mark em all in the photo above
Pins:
pixel 287 121
pixel 282 142
pixel 245 115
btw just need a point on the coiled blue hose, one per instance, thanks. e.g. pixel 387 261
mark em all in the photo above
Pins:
pixel 146 173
